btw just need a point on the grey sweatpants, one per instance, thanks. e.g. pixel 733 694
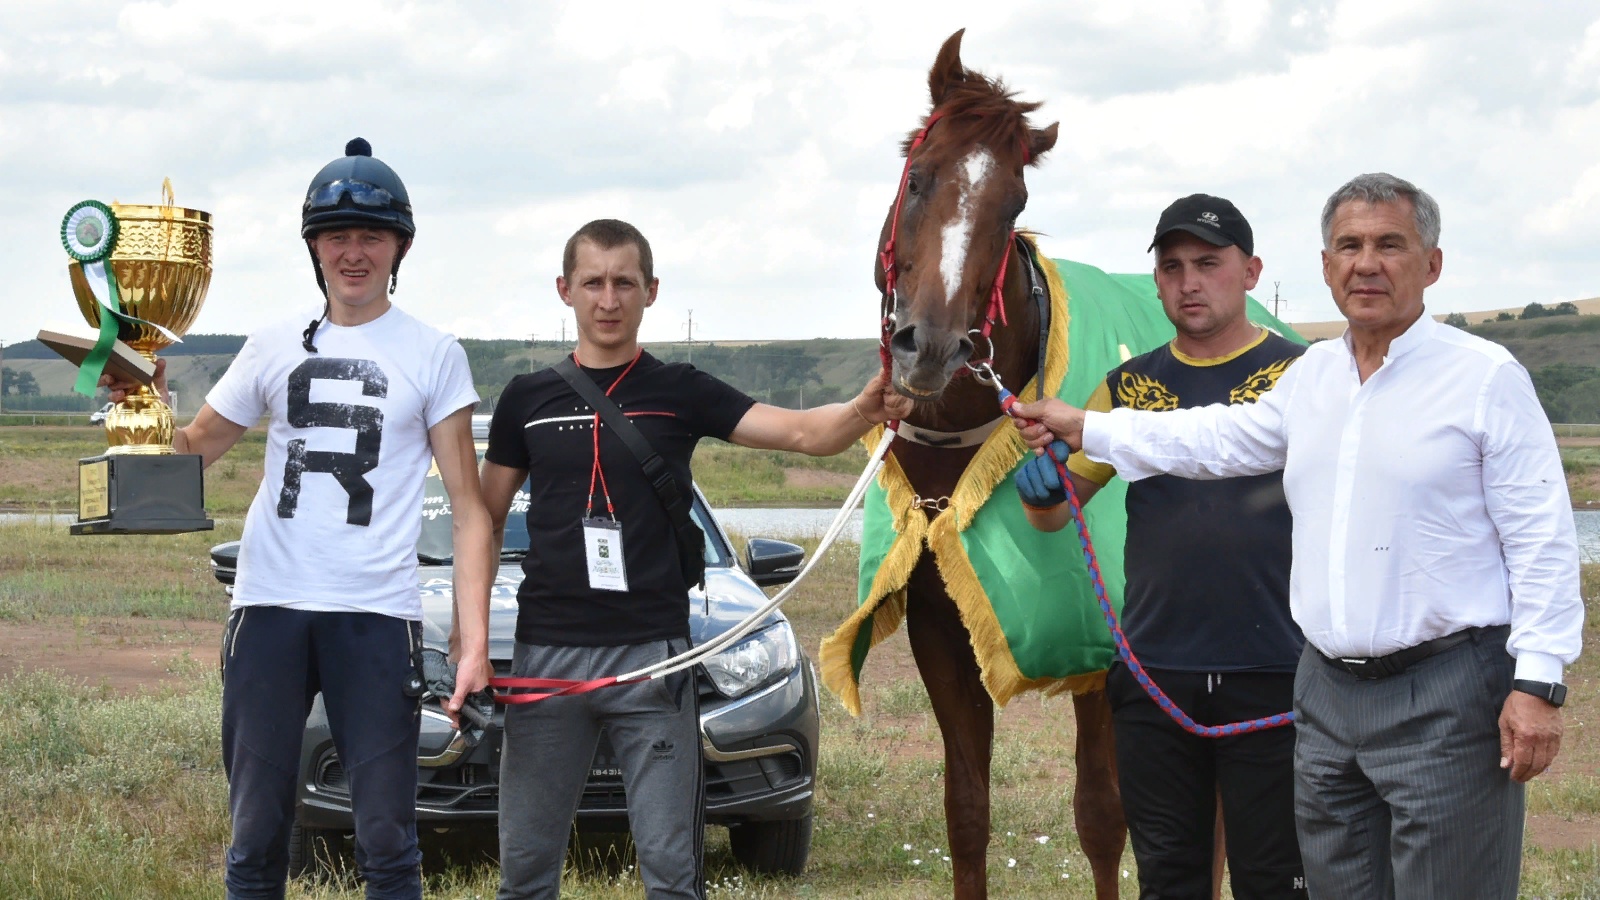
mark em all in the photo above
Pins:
pixel 1398 785
pixel 654 727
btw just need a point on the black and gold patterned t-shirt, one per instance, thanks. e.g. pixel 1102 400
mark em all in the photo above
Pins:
pixel 1207 562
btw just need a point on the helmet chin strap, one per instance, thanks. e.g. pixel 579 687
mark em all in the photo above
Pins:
pixel 310 333
pixel 394 274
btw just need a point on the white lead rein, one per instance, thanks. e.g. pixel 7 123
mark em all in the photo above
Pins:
pixel 695 655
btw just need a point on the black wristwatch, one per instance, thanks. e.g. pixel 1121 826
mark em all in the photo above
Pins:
pixel 1553 694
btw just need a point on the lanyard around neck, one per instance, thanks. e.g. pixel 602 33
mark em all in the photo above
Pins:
pixel 595 472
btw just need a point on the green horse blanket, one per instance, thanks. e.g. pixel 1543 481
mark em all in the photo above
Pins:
pixel 1024 595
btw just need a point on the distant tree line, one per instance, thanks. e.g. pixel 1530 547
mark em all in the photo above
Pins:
pixel 193 345
pixel 20 384
pixel 784 375
pixel 1531 311
pixel 1569 393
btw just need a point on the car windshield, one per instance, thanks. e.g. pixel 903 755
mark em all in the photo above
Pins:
pixel 434 544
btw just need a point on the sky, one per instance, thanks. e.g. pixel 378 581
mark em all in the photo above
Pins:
pixel 757 144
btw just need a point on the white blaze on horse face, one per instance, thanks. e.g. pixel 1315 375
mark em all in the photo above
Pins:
pixel 956 236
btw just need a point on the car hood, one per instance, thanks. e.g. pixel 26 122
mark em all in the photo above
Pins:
pixel 729 596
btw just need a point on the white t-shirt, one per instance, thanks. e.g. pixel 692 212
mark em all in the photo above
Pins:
pixel 334 526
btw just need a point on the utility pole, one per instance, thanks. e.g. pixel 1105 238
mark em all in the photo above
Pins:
pixel 2 375
pixel 1275 298
pixel 563 333
pixel 533 338
pixel 689 325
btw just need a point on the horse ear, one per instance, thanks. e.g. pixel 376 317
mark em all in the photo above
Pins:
pixel 1040 140
pixel 947 68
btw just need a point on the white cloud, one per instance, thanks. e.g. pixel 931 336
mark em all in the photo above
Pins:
pixel 759 146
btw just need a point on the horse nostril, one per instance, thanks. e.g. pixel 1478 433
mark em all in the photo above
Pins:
pixel 963 351
pixel 904 341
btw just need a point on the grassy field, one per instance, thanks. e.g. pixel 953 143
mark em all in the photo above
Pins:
pixel 40 472
pixel 41 465
pixel 41 462
pixel 1582 465
pixel 108 795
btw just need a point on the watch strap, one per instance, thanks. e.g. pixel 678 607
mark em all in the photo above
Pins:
pixel 1553 693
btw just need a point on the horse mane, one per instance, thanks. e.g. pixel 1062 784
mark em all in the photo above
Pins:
pixel 980 110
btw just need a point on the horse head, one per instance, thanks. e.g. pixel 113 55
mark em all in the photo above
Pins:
pixel 948 233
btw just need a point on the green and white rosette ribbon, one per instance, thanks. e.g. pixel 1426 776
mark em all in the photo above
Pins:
pixel 89 232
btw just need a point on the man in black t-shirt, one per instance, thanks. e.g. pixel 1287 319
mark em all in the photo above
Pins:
pixel 582 617
pixel 1206 607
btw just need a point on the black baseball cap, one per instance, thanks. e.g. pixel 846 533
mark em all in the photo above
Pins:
pixel 1212 219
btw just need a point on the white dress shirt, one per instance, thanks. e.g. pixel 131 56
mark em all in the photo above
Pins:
pixel 1427 500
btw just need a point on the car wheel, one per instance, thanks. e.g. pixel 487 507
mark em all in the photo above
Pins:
pixel 774 848
pixel 311 850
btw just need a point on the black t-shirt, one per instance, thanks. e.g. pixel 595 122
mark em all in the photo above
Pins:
pixel 1207 562
pixel 542 425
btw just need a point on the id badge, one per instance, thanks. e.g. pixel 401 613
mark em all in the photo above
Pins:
pixel 602 541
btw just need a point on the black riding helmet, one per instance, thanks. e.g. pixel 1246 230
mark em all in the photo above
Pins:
pixel 354 191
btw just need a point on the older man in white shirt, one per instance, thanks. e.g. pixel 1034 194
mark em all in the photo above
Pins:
pixel 1435 570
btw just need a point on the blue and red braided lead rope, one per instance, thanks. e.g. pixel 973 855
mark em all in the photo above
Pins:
pixel 1008 402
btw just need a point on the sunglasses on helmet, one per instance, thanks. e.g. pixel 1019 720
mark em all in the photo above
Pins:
pixel 361 193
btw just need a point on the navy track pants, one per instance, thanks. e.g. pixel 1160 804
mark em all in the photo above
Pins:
pixel 274 661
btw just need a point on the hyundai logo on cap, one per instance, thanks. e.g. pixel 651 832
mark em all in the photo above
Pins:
pixel 1212 219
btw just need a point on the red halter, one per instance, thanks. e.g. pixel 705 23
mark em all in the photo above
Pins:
pixel 886 257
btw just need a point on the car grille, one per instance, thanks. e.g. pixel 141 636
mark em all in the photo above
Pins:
pixel 472 787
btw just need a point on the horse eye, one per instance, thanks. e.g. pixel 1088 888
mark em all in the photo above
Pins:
pixel 914 184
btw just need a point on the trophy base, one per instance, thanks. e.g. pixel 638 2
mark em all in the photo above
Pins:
pixel 136 494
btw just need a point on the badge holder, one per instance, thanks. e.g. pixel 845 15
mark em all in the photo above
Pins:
pixel 602 542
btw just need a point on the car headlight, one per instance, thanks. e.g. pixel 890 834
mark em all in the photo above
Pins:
pixel 754 662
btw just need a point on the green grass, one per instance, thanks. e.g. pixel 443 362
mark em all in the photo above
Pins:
pixel 1579 460
pixel 1582 465
pixel 41 464
pixel 738 476
pixel 46 572
pixel 41 472
pixel 102 796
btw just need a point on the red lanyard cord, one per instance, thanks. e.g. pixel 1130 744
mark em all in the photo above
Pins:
pixel 595 472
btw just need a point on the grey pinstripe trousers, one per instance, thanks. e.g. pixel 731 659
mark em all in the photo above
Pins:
pixel 1398 787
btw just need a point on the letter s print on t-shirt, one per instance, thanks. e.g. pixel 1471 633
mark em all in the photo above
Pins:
pixel 349 469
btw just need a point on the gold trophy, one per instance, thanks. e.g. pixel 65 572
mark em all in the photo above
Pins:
pixel 140 275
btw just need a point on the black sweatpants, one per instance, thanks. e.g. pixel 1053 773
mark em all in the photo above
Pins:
pixel 275 660
pixel 1170 780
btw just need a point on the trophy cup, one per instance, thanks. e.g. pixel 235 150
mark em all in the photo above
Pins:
pixel 140 275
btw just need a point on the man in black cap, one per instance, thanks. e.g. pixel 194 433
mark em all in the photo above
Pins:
pixel 1207 600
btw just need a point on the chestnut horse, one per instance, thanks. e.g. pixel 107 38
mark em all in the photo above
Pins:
pixel 951 230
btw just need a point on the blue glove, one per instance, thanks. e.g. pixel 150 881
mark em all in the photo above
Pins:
pixel 1038 483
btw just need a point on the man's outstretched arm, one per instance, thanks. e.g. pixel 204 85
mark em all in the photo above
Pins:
pixel 824 430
